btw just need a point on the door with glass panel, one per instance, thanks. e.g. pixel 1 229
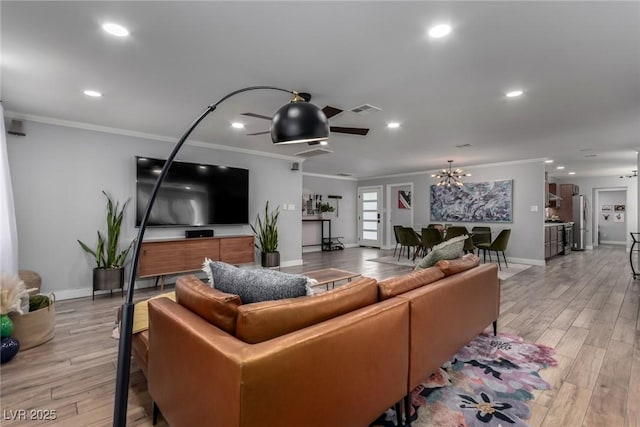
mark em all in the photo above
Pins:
pixel 369 213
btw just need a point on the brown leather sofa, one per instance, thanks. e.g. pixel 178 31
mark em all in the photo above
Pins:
pixel 339 358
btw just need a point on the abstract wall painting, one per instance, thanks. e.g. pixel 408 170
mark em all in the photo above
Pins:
pixel 490 201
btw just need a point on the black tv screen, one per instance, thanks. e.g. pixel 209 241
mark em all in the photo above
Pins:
pixel 192 194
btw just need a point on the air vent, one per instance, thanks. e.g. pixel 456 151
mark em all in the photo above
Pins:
pixel 591 155
pixel 463 146
pixel 343 174
pixel 313 152
pixel 365 109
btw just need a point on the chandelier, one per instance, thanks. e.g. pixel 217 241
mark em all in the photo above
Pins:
pixel 448 177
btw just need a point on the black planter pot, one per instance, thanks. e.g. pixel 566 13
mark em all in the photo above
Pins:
pixel 108 279
pixel 270 259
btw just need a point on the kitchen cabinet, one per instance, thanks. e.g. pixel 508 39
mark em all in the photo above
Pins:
pixel 553 240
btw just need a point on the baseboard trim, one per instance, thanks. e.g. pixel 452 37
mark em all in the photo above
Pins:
pixel 528 261
pixel 612 242
pixel 291 263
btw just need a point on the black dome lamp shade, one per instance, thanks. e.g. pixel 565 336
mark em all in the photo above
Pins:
pixel 299 121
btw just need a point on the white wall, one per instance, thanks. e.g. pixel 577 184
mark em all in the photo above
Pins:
pixel 343 219
pixel 526 242
pixel 609 230
pixel 58 174
pixel 588 187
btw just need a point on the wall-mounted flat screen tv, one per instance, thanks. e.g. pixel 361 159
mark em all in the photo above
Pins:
pixel 192 194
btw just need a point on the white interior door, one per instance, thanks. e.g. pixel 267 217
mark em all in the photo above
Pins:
pixel 369 214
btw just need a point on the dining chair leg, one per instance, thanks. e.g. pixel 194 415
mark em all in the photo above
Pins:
pixel 497 255
pixel 505 259
pixel 395 249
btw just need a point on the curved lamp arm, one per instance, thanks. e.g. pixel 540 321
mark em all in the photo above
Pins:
pixel 124 349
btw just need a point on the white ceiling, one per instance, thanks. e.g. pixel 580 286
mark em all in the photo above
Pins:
pixel 579 63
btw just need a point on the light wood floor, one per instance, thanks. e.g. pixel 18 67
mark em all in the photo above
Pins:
pixel 585 305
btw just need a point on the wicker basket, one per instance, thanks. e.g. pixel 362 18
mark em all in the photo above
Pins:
pixel 35 327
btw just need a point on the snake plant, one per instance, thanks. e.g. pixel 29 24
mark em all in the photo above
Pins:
pixel 266 230
pixel 106 252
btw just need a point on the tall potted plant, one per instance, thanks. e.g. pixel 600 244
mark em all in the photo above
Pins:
pixel 266 231
pixel 109 271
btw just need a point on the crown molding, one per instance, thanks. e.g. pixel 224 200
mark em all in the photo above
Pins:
pixel 320 175
pixel 143 135
pixel 485 165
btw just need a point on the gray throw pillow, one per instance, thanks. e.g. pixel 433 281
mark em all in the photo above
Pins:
pixel 256 284
pixel 449 249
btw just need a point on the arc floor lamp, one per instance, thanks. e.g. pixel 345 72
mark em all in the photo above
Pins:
pixel 298 121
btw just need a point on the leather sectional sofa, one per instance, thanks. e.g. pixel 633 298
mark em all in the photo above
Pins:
pixel 340 358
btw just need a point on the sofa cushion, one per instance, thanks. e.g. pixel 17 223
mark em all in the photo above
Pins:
pixel 449 249
pixel 216 307
pixel 458 265
pixel 257 284
pixel 266 320
pixel 406 282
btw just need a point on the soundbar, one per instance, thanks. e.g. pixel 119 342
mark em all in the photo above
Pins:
pixel 198 233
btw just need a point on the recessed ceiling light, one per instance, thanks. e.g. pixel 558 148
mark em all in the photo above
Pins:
pixel 92 93
pixel 324 142
pixel 560 167
pixel 115 29
pixel 237 125
pixel 514 93
pixel 393 125
pixel 572 173
pixel 439 31
pixel 548 161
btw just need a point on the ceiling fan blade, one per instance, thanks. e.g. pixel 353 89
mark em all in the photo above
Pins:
pixel 352 131
pixel 258 116
pixel 259 133
pixel 330 111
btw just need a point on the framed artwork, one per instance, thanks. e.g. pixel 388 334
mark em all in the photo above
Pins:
pixel 618 217
pixel 404 199
pixel 489 201
pixel 618 208
pixel 605 208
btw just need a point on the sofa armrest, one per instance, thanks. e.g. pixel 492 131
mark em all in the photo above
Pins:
pixel 312 377
pixel 189 378
pixel 447 315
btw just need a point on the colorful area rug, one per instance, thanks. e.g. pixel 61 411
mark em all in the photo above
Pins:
pixel 487 383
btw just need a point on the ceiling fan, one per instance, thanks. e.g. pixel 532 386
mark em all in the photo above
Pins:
pixel 328 111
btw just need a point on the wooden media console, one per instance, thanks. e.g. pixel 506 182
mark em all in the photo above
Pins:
pixel 172 256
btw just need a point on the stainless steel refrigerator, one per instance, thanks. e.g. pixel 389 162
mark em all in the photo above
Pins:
pixel 580 222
